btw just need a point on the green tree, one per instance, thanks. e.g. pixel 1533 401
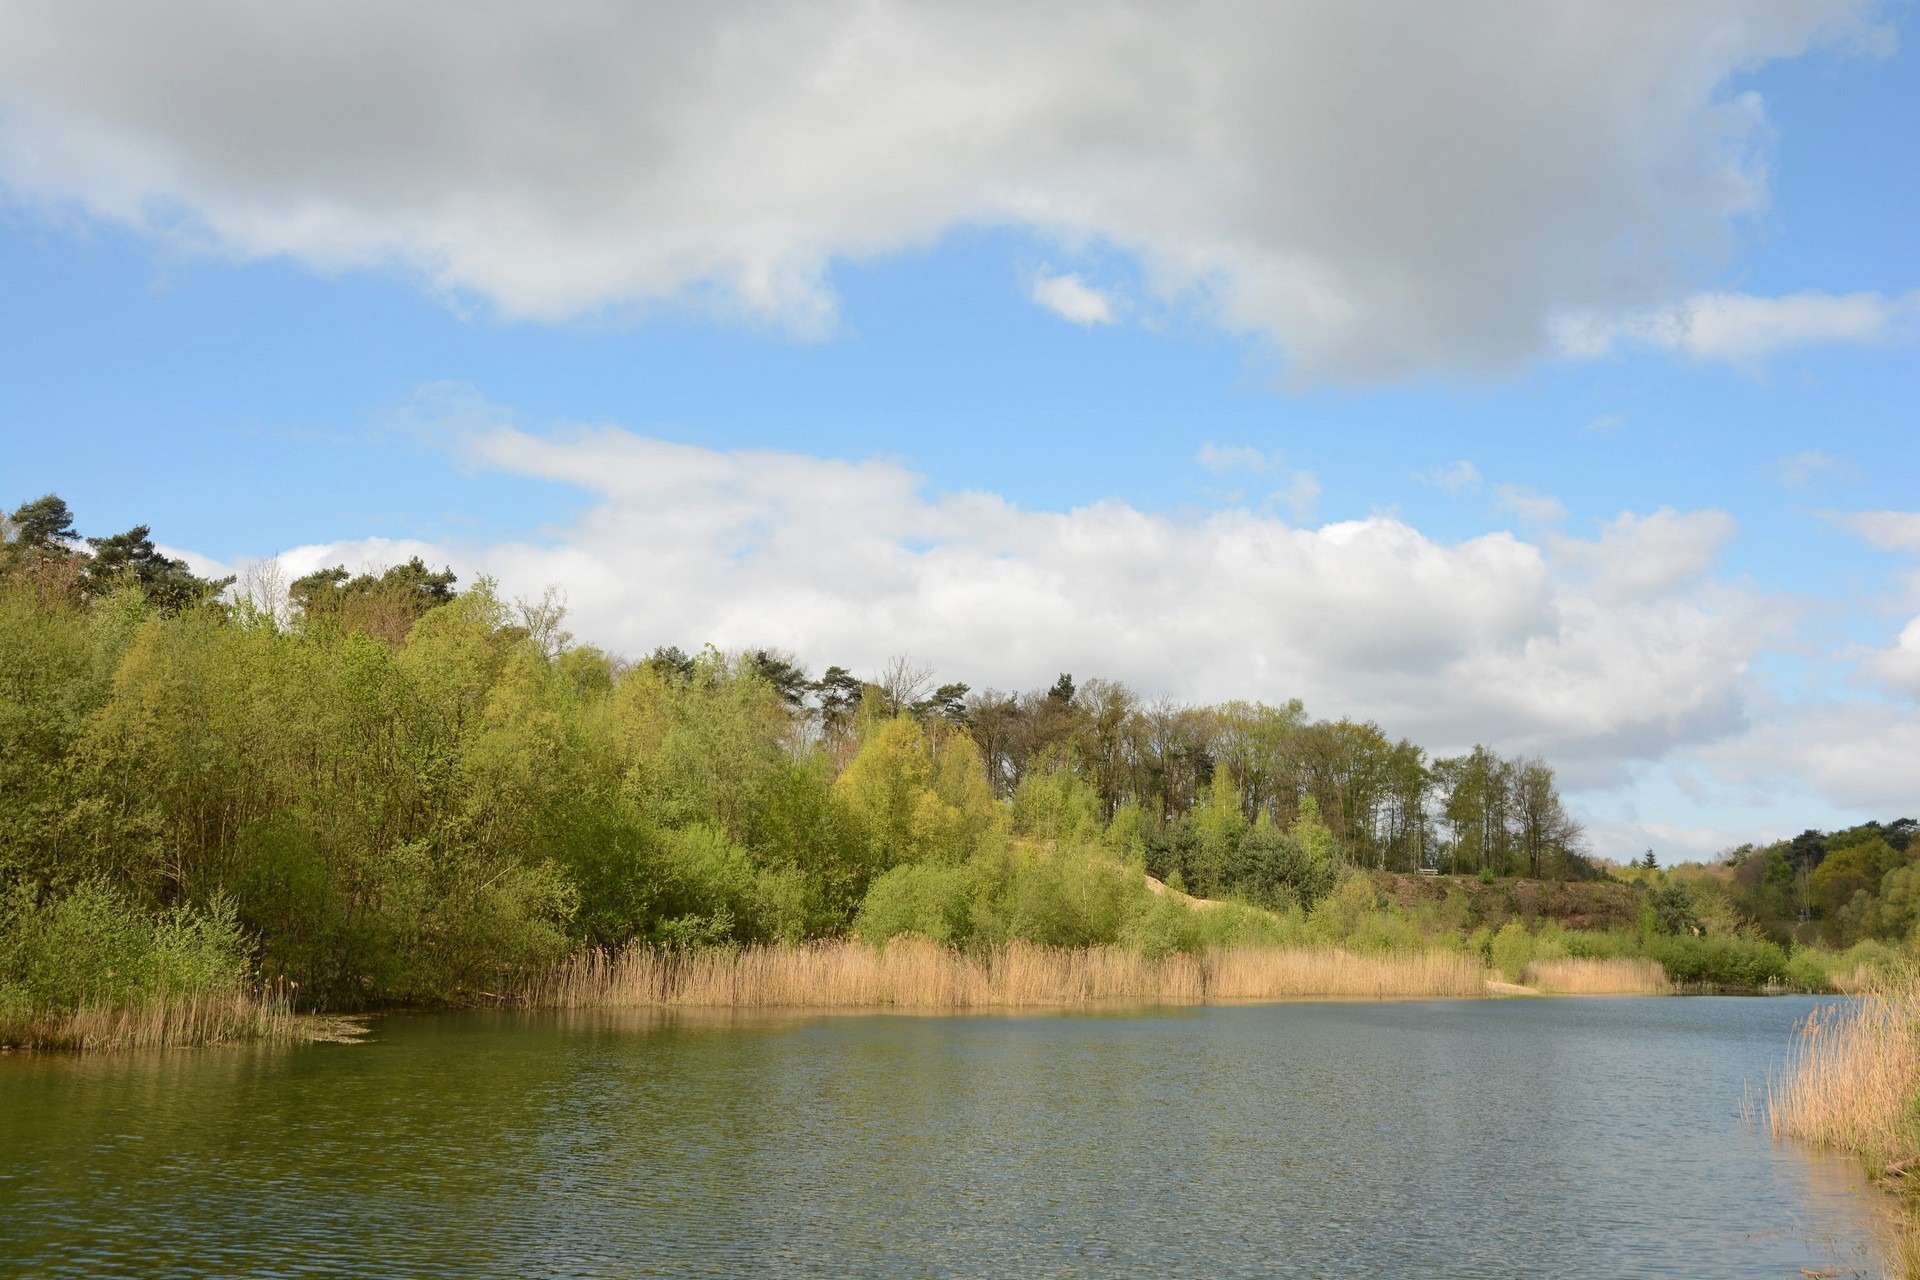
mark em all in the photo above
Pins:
pixel 384 604
pixel 132 557
pixel 45 524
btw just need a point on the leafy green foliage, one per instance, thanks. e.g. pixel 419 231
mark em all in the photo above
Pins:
pixel 1727 962
pixel 91 947
pixel 386 604
pixel 396 792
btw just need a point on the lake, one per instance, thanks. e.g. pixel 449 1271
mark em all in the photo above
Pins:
pixel 1589 1138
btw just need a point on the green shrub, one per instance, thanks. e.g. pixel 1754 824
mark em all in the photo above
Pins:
pixel 1810 969
pixel 1069 899
pixel 1163 925
pixel 1343 912
pixel 921 899
pixel 1512 950
pixel 89 947
pixel 1600 944
pixel 1726 962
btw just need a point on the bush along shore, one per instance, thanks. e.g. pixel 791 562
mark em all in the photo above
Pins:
pixel 228 802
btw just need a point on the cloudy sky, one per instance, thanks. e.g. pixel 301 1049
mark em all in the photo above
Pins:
pixel 1541 374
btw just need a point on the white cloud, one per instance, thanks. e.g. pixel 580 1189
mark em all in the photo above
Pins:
pixel 1451 476
pixel 1741 329
pixel 1491 638
pixel 1301 497
pixel 1624 840
pixel 1898 667
pixel 1382 193
pixel 1857 755
pixel 1887 530
pixel 1799 470
pixel 1071 298
pixel 202 566
pixel 1531 507
pixel 1222 458
pixel 1301 493
pixel 1639 556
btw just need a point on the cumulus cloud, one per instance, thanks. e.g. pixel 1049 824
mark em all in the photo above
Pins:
pixel 1857 755
pixel 1638 556
pixel 1898 668
pixel 1071 298
pixel 203 566
pixel 1381 193
pixel 1741 329
pixel 1491 638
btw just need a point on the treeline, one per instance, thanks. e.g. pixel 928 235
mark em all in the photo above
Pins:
pixel 1388 805
pixel 1840 888
pixel 395 790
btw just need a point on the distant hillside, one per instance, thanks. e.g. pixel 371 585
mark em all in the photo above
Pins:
pixel 1580 904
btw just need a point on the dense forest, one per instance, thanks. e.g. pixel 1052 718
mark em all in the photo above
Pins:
pixel 382 788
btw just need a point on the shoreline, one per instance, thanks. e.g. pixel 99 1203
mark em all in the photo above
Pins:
pixel 904 976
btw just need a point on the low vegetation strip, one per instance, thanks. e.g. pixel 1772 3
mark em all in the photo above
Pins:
pixel 916 974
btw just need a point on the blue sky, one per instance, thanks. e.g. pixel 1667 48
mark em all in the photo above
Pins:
pixel 1544 414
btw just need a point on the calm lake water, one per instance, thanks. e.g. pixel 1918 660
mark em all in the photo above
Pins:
pixel 1594 1138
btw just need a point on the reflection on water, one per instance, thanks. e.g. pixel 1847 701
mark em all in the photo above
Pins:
pixel 1593 1138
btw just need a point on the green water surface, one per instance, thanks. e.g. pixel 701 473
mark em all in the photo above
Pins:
pixel 1592 1138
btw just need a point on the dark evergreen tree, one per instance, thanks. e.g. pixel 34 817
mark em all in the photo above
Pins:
pixel 132 557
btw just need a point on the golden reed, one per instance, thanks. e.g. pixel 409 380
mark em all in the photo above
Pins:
pixel 161 1023
pixel 915 974
pixel 1852 1078
pixel 1852 1083
pixel 1613 976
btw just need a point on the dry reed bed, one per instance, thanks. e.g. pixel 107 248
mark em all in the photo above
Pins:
pixel 1852 1078
pixel 1613 976
pixel 910 974
pixel 161 1023
pixel 1852 1083
pixel 1861 980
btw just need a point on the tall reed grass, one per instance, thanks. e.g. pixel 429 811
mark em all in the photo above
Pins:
pixel 1599 976
pixel 916 974
pixel 1851 1083
pixel 160 1022
pixel 1852 1079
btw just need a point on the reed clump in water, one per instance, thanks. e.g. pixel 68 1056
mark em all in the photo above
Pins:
pixel 1599 976
pixel 1852 1083
pixel 917 974
pixel 160 1022
pixel 1852 1080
